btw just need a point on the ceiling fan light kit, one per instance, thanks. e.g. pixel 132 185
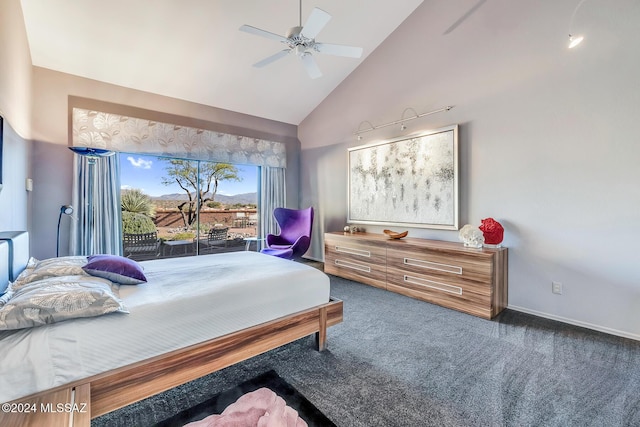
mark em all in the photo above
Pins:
pixel 301 40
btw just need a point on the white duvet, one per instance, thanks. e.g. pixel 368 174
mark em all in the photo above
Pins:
pixel 185 301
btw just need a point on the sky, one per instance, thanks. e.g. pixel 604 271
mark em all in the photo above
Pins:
pixel 146 172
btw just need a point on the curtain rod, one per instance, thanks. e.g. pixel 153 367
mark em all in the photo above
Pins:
pixel 397 122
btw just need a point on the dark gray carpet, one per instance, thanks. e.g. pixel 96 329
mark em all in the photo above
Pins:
pixel 396 361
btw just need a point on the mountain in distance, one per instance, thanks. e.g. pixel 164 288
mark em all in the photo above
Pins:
pixel 245 198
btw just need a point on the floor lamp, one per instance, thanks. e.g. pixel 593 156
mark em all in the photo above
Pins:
pixel 92 154
pixel 67 210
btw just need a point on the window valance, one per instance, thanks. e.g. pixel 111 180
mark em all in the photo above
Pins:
pixel 134 135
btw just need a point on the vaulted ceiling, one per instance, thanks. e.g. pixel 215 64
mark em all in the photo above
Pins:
pixel 193 49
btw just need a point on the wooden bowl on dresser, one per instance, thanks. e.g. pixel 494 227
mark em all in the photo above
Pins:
pixel 394 235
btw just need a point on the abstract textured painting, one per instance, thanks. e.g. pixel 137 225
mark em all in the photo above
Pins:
pixel 410 181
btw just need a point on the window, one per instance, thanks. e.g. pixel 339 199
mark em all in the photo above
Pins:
pixel 186 207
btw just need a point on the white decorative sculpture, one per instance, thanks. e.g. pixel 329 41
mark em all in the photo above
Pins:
pixel 471 236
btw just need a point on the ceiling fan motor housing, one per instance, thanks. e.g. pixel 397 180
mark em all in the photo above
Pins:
pixel 300 44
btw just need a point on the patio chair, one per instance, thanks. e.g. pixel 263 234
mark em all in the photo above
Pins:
pixel 141 246
pixel 216 238
pixel 295 233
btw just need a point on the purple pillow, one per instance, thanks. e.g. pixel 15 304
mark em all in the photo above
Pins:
pixel 115 268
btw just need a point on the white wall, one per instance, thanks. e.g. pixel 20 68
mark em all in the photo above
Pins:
pixel 52 183
pixel 15 71
pixel 548 141
pixel 14 199
pixel 15 104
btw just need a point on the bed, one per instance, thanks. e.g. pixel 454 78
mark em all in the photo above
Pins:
pixel 193 316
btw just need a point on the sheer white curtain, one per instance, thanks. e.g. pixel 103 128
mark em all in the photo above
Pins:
pixel 96 198
pixel 272 195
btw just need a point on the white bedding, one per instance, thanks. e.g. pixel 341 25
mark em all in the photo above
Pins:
pixel 186 301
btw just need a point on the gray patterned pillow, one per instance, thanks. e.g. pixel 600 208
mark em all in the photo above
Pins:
pixel 52 267
pixel 56 299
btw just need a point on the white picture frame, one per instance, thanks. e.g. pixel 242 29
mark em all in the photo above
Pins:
pixel 411 181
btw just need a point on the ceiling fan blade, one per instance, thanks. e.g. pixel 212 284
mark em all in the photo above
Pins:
pixel 311 66
pixel 339 50
pixel 315 23
pixel 258 32
pixel 268 60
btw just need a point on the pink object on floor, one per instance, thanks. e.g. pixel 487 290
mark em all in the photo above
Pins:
pixel 260 408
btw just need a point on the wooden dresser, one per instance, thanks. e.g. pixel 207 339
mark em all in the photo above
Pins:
pixel 446 273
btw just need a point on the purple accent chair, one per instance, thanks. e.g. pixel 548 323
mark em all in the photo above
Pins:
pixel 295 233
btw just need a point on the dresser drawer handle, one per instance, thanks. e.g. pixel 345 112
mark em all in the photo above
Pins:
pixel 433 265
pixel 353 266
pixel 352 251
pixel 433 285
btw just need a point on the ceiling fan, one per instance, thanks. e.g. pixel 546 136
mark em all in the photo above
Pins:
pixel 301 41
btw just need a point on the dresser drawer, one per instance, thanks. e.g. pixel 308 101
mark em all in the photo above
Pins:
pixel 348 257
pixel 458 267
pixel 460 279
pixel 468 296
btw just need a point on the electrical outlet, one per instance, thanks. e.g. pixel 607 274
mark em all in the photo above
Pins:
pixel 556 288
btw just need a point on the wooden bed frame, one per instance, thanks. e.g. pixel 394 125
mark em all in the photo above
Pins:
pixel 74 404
